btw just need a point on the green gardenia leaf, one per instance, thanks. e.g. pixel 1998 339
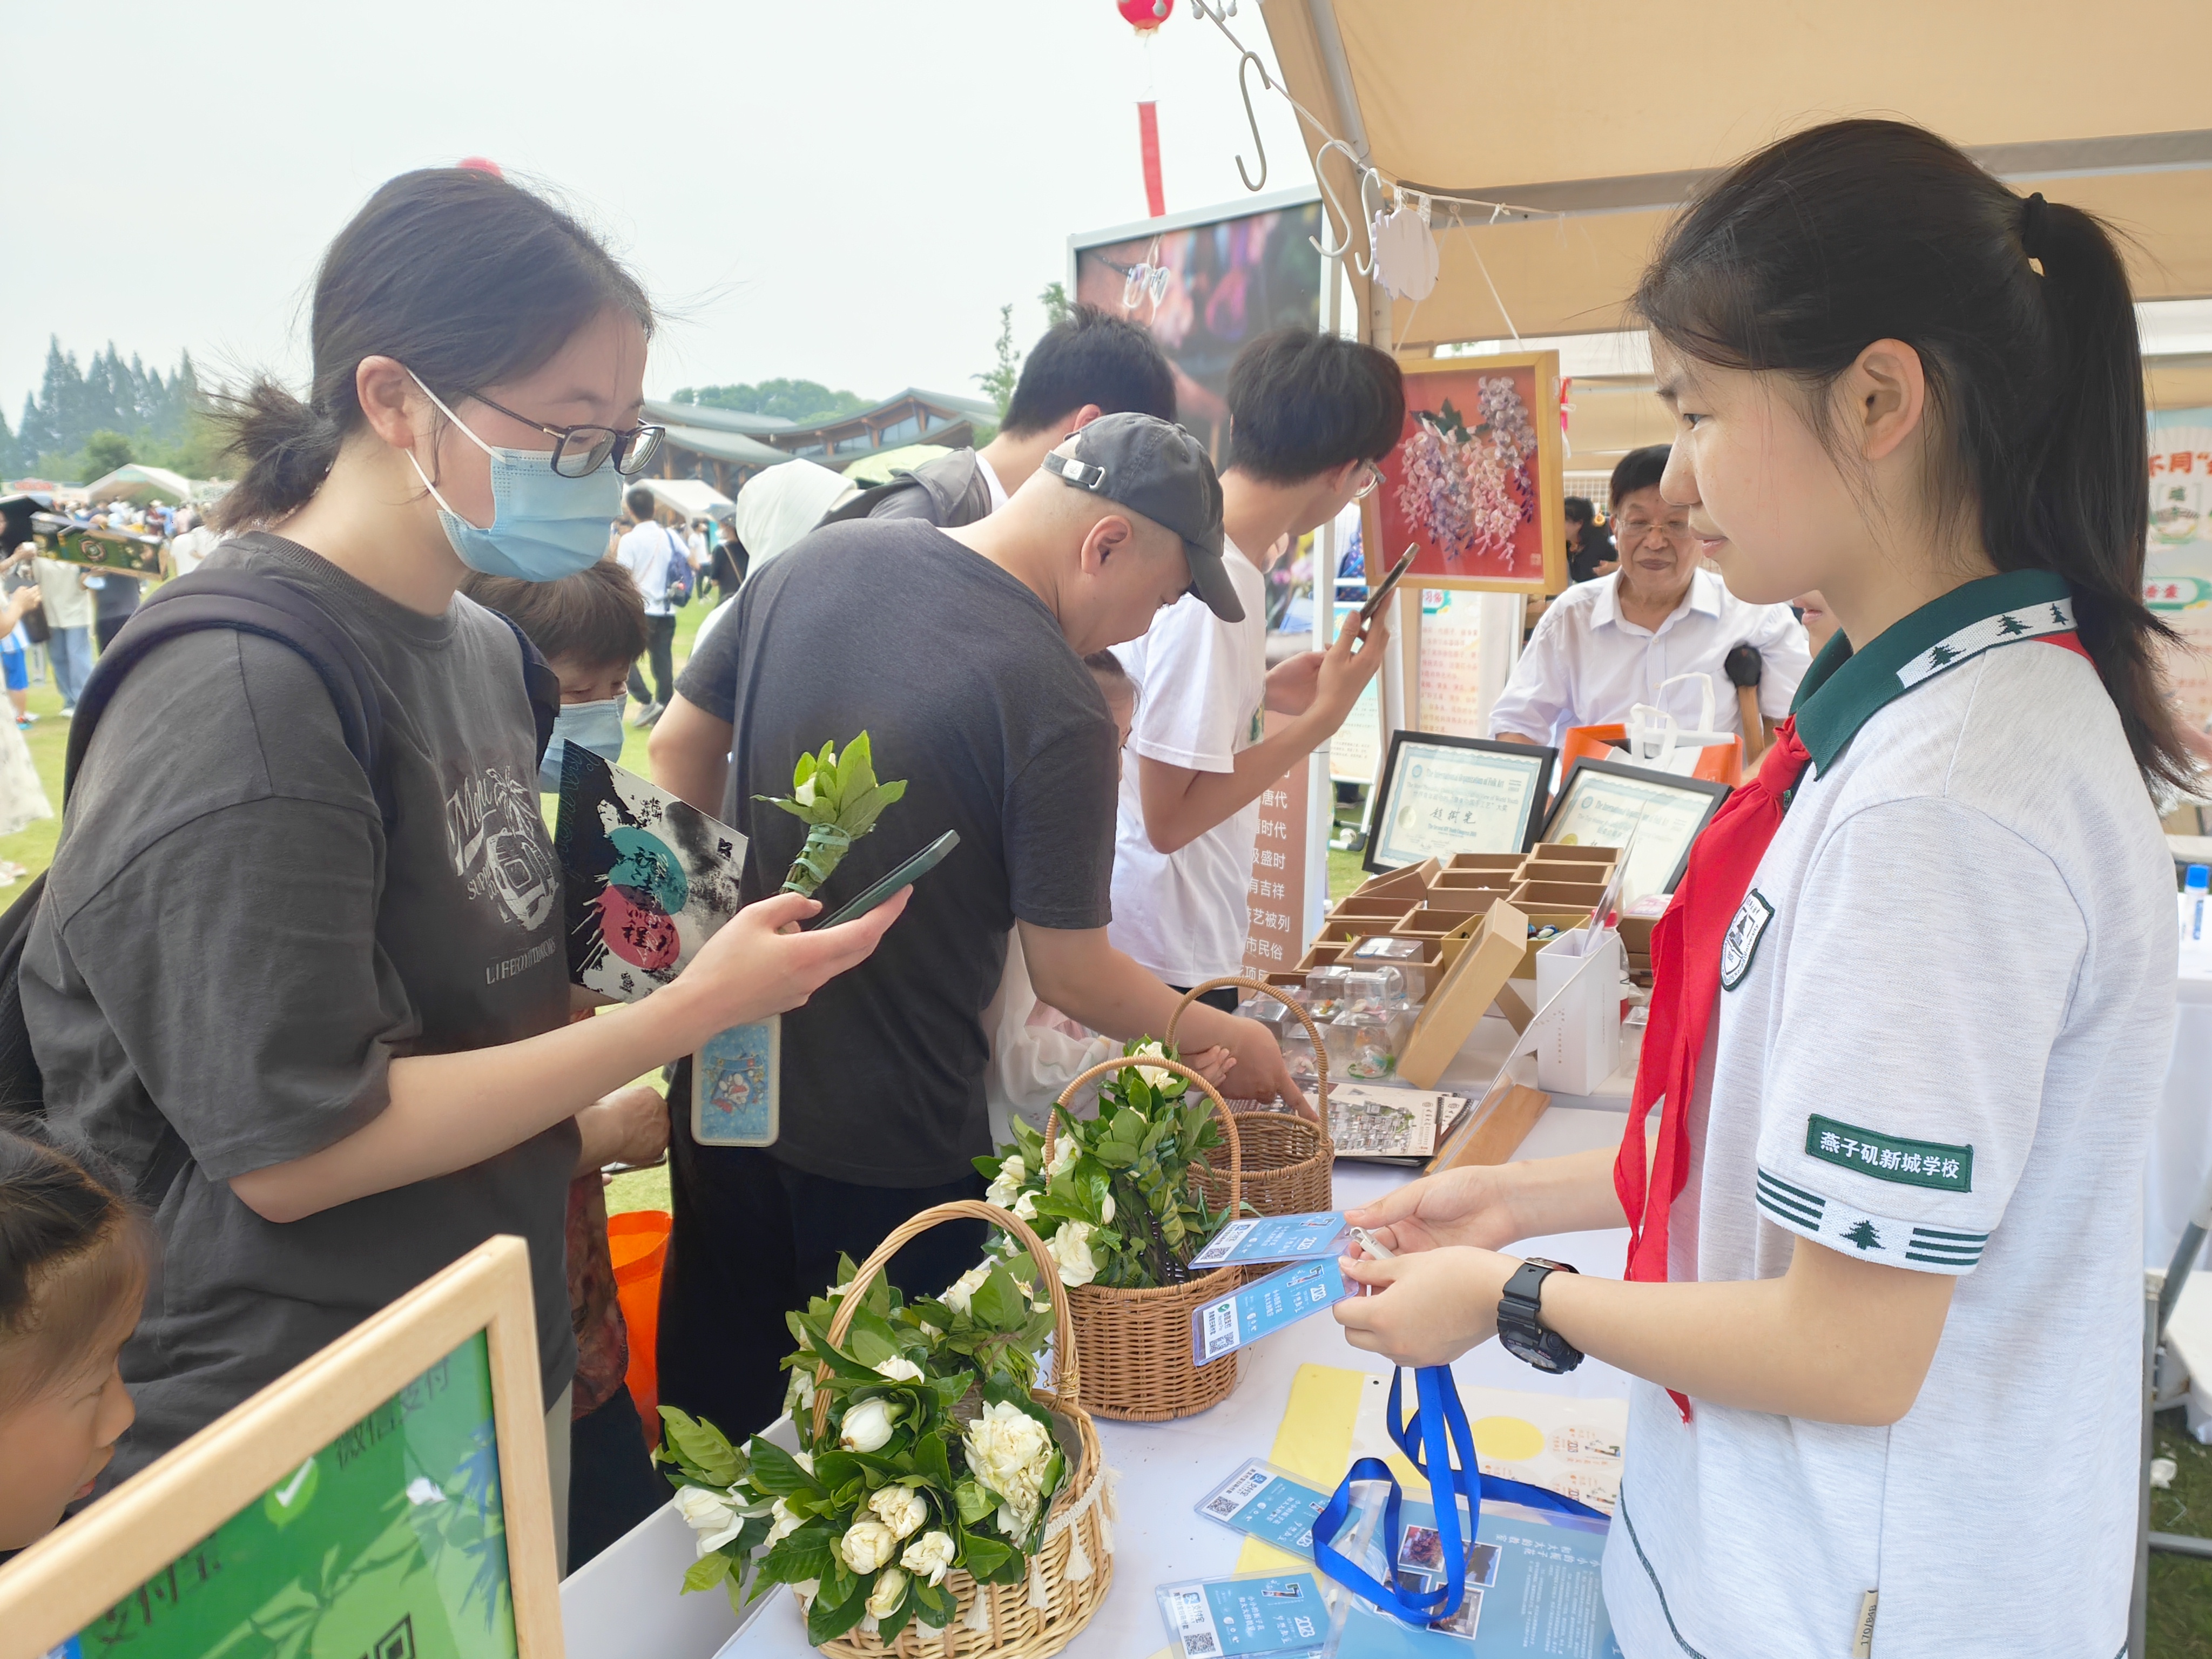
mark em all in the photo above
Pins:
pixel 825 1623
pixel 706 1573
pixel 775 1473
pixel 982 1556
pixel 705 1448
pixel 998 1303
pixel 799 1556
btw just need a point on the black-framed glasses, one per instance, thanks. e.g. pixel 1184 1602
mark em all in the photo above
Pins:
pixel 580 451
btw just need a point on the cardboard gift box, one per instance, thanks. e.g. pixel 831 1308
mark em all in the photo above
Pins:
pixel 1580 1042
pixel 1321 954
pixel 1380 906
pixel 1469 985
pixel 1413 881
pixel 1562 919
pixel 1558 895
pixel 1500 865
pixel 1573 852
pixel 1422 971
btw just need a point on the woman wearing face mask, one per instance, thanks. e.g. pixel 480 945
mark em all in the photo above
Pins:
pixel 330 1038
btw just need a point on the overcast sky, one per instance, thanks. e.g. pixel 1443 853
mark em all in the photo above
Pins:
pixel 841 190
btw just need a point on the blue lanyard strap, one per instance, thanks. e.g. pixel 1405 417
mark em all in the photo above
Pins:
pixel 1437 1426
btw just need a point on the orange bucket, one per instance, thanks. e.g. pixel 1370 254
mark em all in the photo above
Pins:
pixel 638 1242
pixel 1722 764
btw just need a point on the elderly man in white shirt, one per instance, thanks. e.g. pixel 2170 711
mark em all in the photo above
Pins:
pixel 1606 644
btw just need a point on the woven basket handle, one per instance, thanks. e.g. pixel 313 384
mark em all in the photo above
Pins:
pixel 1066 1379
pixel 1220 1111
pixel 1237 982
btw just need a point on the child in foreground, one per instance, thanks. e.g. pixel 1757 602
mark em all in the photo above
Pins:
pixel 73 1265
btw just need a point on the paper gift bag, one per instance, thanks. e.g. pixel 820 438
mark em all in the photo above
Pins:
pixel 1579 1033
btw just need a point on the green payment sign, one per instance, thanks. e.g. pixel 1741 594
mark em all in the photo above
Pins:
pixel 389 1543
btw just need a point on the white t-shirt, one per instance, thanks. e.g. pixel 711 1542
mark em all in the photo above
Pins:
pixel 1943 1026
pixel 1587 665
pixel 991 482
pixel 187 551
pixel 645 551
pixel 1202 687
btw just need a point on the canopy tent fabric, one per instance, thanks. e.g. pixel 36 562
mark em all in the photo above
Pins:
pixel 134 483
pixel 1465 97
pixel 690 498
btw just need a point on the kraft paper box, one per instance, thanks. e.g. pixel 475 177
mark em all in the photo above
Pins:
pixel 1559 894
pixel 1579 1041
pixel 1320 955
pixel 1464 995
pixel 1552 850
pixel 1422 972
pixel 1382 907
pixel 1413 881
pixel 1501 865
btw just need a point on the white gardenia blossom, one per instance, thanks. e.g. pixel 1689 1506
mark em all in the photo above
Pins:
pixel 781 1523
pixel 1106 1213
pixel 960 1294
pixel 884 1599
pixel 1063 1159
pixel 1025 1207
pixel 899 1369
pixel 899 1507
pixel 1008 1449
pixel 805 1460
pixel 1153 1075
pixel 1070 1248
pixel 867 1426
pixel 929 1556
pixel 799 1397
pixel 1006 1183
pixel 805 794
pixel 713 1515
pixel 867 1545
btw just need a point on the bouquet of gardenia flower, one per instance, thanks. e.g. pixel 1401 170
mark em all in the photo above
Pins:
pixel 1113 1201
pixel 931 1455
pixel 837 797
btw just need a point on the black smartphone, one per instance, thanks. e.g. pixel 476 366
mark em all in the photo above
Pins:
pixel 905 876
pixel 1383 589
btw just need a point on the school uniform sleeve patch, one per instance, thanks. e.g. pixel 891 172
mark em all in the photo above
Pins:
pixel 1890 1158
pixel 1850 1230
pixel 1741 942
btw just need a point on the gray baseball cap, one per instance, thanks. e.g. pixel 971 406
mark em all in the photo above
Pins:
pixel 1154 467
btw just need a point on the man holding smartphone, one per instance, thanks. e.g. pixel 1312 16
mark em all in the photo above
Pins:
pixel 1310 415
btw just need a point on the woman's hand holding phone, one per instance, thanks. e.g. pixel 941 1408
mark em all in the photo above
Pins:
pixel 762 963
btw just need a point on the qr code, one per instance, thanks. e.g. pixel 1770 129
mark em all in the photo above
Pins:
pixel 1225 1503
pixel 1200 1645
pixel 1220 1331
pixel 1224 1242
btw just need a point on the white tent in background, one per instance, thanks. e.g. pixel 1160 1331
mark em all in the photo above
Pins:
pixel 694 498
pixel 134 483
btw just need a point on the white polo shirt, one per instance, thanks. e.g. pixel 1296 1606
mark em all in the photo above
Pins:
pixel 1944 1020
pixel 1587 665
pixel 1202 692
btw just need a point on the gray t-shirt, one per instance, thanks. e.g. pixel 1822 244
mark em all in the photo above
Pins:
pixel 967 691
pixel 232 943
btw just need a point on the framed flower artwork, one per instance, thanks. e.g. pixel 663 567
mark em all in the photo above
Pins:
pixel 1474 484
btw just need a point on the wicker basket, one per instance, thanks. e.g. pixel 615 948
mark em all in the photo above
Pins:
pixel 1135 1345
pixel 1288 1162
pixel 1069 1577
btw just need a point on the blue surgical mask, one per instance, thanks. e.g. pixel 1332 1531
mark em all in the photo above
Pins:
pixel 544 526
pixel 595 726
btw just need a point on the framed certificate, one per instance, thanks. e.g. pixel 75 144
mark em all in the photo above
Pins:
pixel 1603 804
pixel 1441 795
pixel 387 1498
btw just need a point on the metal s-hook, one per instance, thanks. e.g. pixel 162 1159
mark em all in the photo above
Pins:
pixel 1248 61
pixel 1320 175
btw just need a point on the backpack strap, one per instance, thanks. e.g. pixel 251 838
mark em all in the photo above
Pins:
pixel 248 604
pixel 542 684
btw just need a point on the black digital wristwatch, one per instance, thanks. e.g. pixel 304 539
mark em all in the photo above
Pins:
pixel 1519 1326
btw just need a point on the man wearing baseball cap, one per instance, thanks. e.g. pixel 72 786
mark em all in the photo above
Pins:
pixel 960 653
pixel 1309 416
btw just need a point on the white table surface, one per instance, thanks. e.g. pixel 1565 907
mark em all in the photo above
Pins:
pixel 623 1603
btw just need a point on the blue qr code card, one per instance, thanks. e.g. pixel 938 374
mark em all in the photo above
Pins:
pixel 1272 1238
pixel 1264 1307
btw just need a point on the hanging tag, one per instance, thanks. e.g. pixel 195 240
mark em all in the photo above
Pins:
pixel 1272 1238
pixel 1248 1615
pixel 1229 1323
pixel 1270 1503
pixel 1862 1647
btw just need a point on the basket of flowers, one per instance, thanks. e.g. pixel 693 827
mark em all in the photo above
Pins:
pixel 1115 1201
pixel 1287 1163
pixel 939 1502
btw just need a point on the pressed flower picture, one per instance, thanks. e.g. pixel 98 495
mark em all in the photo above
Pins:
pixel 1467 484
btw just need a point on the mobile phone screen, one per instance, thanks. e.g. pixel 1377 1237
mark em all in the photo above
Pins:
pixel 912 870
pixel 1397 574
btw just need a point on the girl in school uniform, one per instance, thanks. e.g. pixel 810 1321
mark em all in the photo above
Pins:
pixel 1915 993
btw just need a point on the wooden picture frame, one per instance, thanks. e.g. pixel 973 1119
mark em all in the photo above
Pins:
pixel 1391 786
pixel 1587 775
pixel 1537 560
pixel 67 1581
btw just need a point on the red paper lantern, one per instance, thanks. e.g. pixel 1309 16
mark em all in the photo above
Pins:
pixel 1144 15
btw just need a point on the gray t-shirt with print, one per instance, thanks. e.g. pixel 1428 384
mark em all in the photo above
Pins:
pixel 234 945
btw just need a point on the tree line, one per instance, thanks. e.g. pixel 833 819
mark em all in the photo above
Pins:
pixel 85 421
